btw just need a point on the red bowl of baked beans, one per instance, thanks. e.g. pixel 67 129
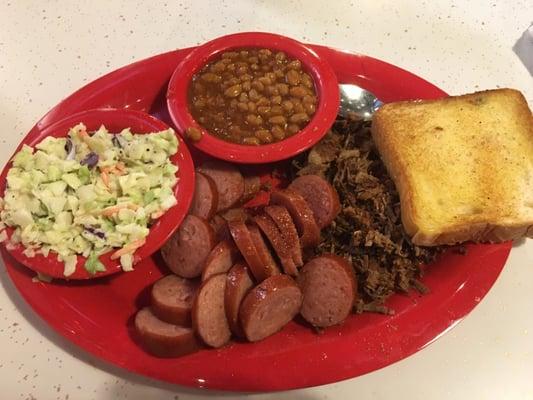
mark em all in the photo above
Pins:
pixel 253 97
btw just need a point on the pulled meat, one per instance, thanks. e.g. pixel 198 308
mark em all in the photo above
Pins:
pixel 368 230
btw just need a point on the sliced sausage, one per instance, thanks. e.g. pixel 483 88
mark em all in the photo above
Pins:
pixel 235 214
pixel 238 283
pixel 280 246
pixel 220 227
pixel 329 287
pixel 252 185
pixel 269 306
pixel 321 197
pixel 283 221
pixel 243 239
pixel 163 339
pixel 228 180
pixel 220 260
pixel 205 201
pixel 172 298
pixel 187 249
pixel 301 214
pixel 270 267
pixel 208 314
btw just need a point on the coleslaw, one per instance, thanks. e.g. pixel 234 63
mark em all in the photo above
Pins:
pixel 87 194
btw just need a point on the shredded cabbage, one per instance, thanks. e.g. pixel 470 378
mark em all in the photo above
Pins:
pixel 89 194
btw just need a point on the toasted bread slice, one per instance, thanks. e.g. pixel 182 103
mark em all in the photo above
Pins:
pixel 463 166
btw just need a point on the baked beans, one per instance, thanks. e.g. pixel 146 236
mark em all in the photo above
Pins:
pixel 252 96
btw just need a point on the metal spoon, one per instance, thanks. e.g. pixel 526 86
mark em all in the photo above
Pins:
pixel 358 101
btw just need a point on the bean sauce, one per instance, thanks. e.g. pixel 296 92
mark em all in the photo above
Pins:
pixel 252 96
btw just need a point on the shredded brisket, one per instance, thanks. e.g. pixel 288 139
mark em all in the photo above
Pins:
pixel 368 231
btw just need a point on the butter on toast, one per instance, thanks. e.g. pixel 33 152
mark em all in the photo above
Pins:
pixel 463 166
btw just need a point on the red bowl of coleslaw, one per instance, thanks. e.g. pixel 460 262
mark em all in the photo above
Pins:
pixel 161 225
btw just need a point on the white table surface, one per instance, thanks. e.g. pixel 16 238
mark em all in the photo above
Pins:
pixel 50 48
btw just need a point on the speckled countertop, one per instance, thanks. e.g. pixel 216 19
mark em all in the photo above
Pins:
pixel 50 48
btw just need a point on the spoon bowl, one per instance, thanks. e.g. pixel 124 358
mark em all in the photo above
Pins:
pixel 358 101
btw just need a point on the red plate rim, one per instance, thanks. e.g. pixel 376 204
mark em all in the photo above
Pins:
pixel 295 357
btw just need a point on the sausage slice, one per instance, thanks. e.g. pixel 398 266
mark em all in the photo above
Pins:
pixel 243 239
pixel 238 283
pixel 321 197
pixel 208 314
pixel 163 339
pixel 220 260
pixel 235 214
pixel 205 201
pixel 274 236
pixel 172 298
pixel 187 249
pixel 283 221
pixel 301 214
pixel 228 180
pixel 329 287
pixel 220 227
pixel 270 267
pixel 269 306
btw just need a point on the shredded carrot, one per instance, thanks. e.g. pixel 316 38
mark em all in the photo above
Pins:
pixel 128 248
pixel 117 169
pixel 109 211
pixel 120 166
pixel 105 178
pixel 118 172
pixel 156 215
pixel 84 136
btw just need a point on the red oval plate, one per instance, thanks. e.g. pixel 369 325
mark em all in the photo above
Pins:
pixel 115 120
pixel 97 315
